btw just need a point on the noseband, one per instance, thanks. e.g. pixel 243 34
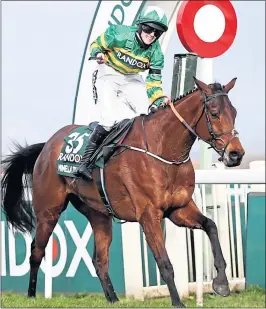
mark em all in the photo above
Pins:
pixel 214 137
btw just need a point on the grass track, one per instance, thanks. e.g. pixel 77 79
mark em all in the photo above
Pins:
pixel 253 297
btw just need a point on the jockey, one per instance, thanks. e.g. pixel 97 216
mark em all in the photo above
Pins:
pixel 123 52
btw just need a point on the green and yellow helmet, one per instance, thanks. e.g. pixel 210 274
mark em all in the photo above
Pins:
pixel 154 17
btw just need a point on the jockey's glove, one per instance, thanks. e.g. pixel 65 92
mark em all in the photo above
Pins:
pixel 159 102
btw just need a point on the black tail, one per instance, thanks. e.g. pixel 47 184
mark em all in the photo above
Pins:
pixel 16 186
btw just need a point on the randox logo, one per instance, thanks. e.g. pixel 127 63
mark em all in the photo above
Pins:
pixel 9 254
pixel 133 62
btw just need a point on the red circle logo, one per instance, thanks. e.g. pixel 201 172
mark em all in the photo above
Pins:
pixel 189 36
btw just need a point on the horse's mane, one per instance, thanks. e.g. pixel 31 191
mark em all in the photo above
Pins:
pixel 215 86
pixel 185 94
pixel 175 101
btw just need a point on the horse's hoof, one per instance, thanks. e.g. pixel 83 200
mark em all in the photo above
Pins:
pixel 180 305
pixel 221 289
pixel 114 300
pixel 31 295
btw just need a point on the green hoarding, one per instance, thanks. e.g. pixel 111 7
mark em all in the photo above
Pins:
pixel 73 267
pixel 255 254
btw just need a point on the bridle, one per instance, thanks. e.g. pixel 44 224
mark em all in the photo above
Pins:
pixel 214 137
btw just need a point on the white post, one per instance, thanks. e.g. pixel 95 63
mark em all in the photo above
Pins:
pixel 48 287
pixel 198 240
pixel 3 251
pixel 223 220
pixel 132 260
pixel 204 73
pixel 239 247
pixel 176 246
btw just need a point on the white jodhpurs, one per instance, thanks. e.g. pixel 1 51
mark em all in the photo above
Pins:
pixel 119 96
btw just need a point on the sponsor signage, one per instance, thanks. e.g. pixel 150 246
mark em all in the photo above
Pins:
pixel 72 270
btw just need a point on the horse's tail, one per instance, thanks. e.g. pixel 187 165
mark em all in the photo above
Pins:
pixel 16 186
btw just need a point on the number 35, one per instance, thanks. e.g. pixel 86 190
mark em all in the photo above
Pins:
pixel 77 137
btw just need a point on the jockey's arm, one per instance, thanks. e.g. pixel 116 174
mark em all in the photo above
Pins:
pixel 154 79
pixel 103 43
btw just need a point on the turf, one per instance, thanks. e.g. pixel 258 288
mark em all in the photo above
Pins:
pixel 252 297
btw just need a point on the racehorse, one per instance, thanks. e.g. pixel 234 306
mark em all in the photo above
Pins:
pixel 142 186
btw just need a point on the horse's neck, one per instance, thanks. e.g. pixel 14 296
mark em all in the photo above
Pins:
pixel 170 138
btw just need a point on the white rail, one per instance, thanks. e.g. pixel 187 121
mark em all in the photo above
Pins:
pixel 226 176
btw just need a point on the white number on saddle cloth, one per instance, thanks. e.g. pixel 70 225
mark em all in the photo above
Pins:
pixel 77 137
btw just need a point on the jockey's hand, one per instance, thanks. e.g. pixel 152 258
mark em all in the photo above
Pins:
pixel 100 57
pixel 166 101
pixel 154 108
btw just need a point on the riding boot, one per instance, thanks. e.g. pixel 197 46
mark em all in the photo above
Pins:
pixel 95 139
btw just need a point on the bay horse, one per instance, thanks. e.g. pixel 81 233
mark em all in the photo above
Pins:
pixel 141 187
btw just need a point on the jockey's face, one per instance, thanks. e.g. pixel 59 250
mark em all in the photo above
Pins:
pixel 149 34
pixel 148 38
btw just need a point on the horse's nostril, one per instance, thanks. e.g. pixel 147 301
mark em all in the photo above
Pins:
pixel 234 155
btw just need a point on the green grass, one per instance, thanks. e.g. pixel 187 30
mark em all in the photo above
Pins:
pixel 250 298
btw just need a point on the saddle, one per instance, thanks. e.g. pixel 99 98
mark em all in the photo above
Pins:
pixel 117 134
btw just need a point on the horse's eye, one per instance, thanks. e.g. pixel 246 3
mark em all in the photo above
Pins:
pixel 214 114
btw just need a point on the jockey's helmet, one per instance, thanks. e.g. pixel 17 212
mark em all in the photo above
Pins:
pixel 154 17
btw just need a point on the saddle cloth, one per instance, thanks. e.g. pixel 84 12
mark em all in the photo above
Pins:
pixel 75 145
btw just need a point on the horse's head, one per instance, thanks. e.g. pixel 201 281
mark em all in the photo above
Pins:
pixel 216 123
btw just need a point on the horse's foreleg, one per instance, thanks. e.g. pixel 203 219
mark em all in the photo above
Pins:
pixel 151 224
pixel 102 230
pixel 191 217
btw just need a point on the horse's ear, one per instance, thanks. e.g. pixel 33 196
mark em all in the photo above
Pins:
pixel 230 85
pixel 202 86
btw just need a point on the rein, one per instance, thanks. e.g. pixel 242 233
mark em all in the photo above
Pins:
pixel 211 141
pixel 214 137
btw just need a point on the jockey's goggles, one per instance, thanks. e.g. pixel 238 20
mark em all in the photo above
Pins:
pixel 148 29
